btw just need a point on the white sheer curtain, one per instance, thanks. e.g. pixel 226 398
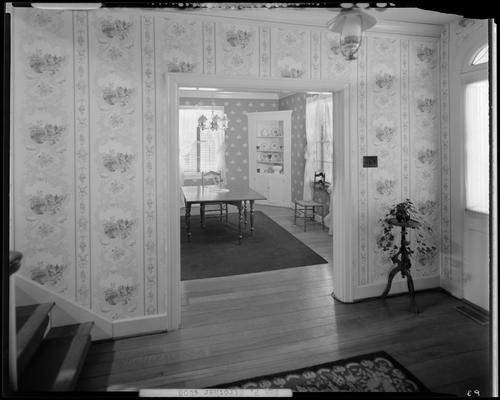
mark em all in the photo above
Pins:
pixel 319 137
pixel 188 123
pixel 220 152
pixel 310 150
pixel 476 146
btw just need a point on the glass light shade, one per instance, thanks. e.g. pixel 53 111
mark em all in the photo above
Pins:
pixel 224 122
pixel 214 124
pixel 202 122
pixel 350 38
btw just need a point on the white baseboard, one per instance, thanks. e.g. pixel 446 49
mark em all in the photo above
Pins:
pixel 399 286
pixel 140 325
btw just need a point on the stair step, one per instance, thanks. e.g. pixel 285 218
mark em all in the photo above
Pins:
pixel 31 324
pixel 70 330
pixel 58 361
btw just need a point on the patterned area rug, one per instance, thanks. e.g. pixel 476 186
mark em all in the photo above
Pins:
pixel 374 372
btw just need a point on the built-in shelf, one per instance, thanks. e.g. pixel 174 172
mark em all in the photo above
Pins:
pixel 269 140
pixel 270 162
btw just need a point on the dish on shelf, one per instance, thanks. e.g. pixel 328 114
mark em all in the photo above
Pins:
pixel 276 157
pixel 264 132
pixel 274 146
pixel 269 170
pixel 275 132
pixel 264 146
pixel 277 169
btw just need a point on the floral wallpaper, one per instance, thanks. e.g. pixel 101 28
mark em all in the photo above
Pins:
pixel 84 131
pixel 425 168
pixel 84 157
pixel 332 61
pixel 383 138
pixel 117 237
pixel 237 132
pixel 43 140
pixel 290 53
pixel 398 121
pixel 237 49
pixel 182 45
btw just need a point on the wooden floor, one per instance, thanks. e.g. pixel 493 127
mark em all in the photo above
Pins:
pixel 248 325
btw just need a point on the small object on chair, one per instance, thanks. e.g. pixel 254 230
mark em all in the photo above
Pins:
pixel 320 181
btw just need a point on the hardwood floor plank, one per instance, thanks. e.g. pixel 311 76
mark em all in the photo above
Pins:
pixel 242 326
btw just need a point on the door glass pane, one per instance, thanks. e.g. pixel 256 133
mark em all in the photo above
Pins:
pixel 476 146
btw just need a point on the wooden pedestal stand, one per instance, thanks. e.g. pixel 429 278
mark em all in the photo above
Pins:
pixel 402 260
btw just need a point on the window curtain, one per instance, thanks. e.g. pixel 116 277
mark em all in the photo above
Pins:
pixel 312 133
pixel 319 136
pixel 219 138
pixel 188 122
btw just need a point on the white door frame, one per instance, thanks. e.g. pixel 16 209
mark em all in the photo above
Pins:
pixel 169 188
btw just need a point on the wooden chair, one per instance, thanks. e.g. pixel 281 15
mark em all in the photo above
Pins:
pixel 306 209
pixel 212 210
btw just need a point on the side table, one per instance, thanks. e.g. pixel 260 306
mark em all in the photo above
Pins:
pixel 402 260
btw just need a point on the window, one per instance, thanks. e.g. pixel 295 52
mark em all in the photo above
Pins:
pixel 481 56
pixel 319 127
pixel 319 140
pixel 476 146
pixel 324 152
pixel 200 150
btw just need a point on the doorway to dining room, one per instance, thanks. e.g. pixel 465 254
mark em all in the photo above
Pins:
pixel 200 290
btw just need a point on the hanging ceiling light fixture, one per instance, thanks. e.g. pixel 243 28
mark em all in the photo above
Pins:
pixel 214 123
pixel 350 23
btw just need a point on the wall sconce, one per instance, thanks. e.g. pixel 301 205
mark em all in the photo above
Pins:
pixel 351 23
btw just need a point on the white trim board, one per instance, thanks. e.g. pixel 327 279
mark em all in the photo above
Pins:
pixel 230 95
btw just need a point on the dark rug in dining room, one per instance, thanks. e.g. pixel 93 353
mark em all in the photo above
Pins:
pixel 214 251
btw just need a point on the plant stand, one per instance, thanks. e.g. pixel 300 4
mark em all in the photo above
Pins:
pixel 402 260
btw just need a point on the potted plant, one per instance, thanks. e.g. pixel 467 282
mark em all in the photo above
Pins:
pixel 404 212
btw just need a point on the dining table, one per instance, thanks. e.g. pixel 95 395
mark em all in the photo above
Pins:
pixel 236 194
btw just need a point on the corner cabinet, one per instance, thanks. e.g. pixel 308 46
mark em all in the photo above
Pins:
pixel 269 148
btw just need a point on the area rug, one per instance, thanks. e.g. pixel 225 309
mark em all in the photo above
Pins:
pixel 374 372
pixel 214 251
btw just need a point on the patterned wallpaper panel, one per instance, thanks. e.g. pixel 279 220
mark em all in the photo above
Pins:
pixel 237 133
pixel 85 176
pixel 85 134
pixel 44 138
pixel 398 121
pixel 237 49
pixel 384 140
pixel 116 164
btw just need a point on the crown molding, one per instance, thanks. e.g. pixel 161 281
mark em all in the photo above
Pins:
pixel 298 19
